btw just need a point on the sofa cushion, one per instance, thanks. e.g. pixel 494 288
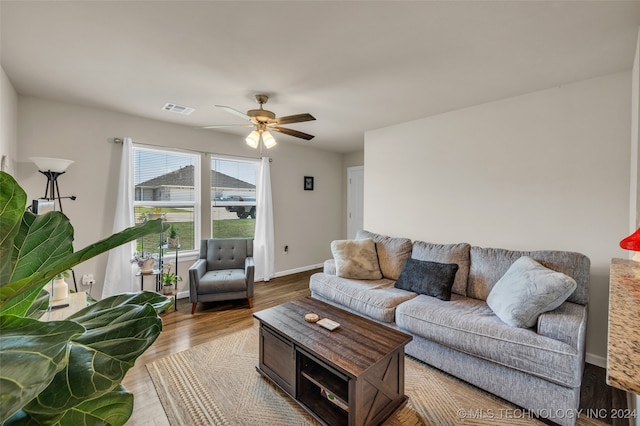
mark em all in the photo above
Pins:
pixel 430 278
pixel 356 259
pixel 468 325
pixel 392 252
pixel 527 290
pixel 376 299
pixel 488 265
pixel 446 253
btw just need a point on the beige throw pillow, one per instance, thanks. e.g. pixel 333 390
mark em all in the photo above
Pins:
pixel 356 259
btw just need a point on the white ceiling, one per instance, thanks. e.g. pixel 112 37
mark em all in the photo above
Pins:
pixel 354 65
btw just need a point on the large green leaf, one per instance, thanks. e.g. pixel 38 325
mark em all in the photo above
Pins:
pixel 99 358
pixel 17 297
pixel 31 353
pixel 12 203
pixel 111 409
pixel 52 231
pixel 89 316
pixel 39 306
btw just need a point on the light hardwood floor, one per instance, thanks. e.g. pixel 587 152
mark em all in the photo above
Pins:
pixel 181 331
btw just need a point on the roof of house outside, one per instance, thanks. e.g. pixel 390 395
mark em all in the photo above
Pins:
pixel 184 177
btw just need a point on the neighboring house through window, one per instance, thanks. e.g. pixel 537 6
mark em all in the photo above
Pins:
pixel 166 184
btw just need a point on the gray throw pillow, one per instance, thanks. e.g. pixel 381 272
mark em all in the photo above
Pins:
pixel 356 259
pixel 527 290
pixel 430 278
pixel 392 252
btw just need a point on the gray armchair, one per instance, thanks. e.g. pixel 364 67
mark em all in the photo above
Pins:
pixel 224 271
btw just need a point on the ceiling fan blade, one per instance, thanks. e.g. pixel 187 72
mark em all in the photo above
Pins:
pixel 292 132
pixel 289 119
pixel 215 126
pixel 234 112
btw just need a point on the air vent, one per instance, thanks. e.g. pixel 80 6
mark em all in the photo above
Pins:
pixel 178 109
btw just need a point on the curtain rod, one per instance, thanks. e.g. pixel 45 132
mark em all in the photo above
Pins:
pixel 120 141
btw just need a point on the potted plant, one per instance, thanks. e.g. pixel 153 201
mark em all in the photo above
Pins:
pixel 173 241
pixel 169 280
pixel 145 261
pixel 69 371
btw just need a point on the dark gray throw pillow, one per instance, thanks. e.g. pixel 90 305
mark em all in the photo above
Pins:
pixel 430 278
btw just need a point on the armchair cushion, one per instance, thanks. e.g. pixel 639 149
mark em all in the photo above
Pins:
pixel 222 281
pixel 224 253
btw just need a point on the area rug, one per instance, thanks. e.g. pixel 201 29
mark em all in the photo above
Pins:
pixel 216 383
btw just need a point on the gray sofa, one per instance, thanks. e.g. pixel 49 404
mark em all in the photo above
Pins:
pixel 538 368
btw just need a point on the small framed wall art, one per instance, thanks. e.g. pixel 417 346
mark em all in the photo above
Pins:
pixel 308 183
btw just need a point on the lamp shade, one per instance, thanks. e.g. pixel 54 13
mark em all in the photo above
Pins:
pixel 58 165
pixel 268 140
pixel 632 242
pixel 253 139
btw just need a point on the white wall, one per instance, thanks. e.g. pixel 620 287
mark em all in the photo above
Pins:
pixel 547 170
pixel 8 124
pixel 307 221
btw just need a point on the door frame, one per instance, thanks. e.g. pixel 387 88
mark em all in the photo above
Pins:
pixel 350 202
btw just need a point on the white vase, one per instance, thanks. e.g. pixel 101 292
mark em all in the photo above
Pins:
pixel 59 290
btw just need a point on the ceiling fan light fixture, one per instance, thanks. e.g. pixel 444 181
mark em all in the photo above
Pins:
pixel 253 139
pixel 268 139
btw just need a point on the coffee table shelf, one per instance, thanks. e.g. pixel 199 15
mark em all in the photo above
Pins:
pixel 337 376
pixel 315 377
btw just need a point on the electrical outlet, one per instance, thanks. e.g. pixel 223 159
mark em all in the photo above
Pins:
pixel 285 250
pixel 87 279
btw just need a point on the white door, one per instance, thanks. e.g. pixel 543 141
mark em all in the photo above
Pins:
pixel 355 200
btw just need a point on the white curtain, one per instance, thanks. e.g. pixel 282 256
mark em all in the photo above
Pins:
pixel 120 275
pixel 263 244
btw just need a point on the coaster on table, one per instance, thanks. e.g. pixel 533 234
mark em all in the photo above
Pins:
pixel 311 318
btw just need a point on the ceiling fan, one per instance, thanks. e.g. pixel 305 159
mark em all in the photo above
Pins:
pixel 263 121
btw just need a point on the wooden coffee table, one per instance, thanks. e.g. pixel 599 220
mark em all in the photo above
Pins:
pixel 353 375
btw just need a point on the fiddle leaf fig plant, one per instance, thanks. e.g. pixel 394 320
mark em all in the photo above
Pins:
pixel 64 372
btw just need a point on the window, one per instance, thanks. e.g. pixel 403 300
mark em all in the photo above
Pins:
pixel 166 184
pixel 233 197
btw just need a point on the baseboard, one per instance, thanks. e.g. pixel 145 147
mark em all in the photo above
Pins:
pixel 598 360
pixel 296 270
pixel 184 294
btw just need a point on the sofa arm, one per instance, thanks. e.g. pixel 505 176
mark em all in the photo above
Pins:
pixel 329 267
pixel 249 273
pixel 196 271
pixel 567 323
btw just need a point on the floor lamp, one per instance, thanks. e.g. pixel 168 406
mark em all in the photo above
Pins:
pixel 52 168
